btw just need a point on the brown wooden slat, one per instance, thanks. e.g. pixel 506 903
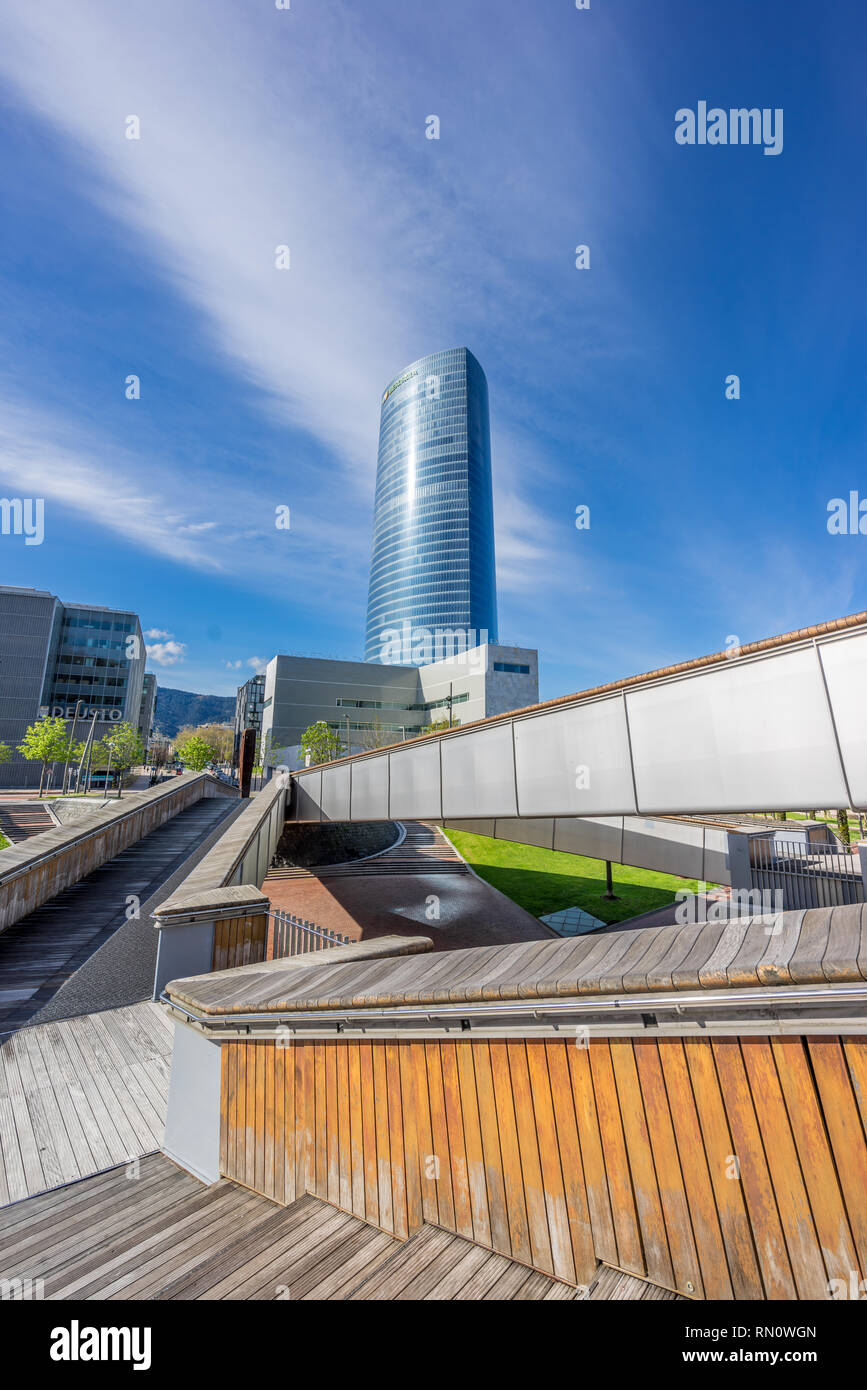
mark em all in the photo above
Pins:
pixel 332 1129
pixel 755 1176
pixel 710 1245
pixel 356 1130
pixel 669 1174
pixel 817 1164
pixel 500 1238
pixel 383 1141
pixel 793 1204
pixel 528 1143
pixel 549 1158
pixel 457 1148
pixel 630 1255
pixel 476 1174
pixel 397 1151
pixel 368 1120
pixel 654 1237
pixel 593 1158
pixel 719 1150
pixel 510 1152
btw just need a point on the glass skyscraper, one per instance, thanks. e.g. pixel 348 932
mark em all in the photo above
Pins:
pixel 432 572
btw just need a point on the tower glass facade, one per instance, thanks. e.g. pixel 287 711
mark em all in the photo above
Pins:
pixel 432 571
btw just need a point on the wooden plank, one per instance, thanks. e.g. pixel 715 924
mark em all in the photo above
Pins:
pixel 290 1124
pixel 261 1051
pixel 411 1103
pixel 226 1102
pixel 630 1255
pixel 592 1156
pixel 577 1208
pixel 476 1174
pixel 654 1235
pixel 457 1150
pixel 491 1151
pixel 356 1131
pixel 669 1175
pixel 383 1145
pixel 371 1186
pixel 720 1152
pixel 250 1117
pixel 793 1204
pixel 332 1124
pixel 426 1154
pixel 510 1151
pixel 531 1168
pixel 845 1133
pixel 710 1246
pixel 549 1160
pixel 278 1102
pixel 817 1163
pixel 305 1116
pixel 343 1123
pixel 440 1155
pixel 397 1153
pixel 320 1126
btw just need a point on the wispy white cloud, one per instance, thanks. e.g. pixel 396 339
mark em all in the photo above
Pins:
pixel 167 653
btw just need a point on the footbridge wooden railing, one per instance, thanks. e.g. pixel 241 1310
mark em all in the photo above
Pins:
pixel 686 1103
pixel 35 871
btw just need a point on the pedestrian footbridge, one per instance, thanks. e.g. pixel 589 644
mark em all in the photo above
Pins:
pixel 776 724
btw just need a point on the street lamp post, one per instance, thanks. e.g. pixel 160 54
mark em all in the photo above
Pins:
pixel 69 751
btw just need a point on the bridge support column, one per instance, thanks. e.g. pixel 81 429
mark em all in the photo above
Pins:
pixel 212 930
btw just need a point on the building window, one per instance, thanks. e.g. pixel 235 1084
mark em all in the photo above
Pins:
pixel 512 668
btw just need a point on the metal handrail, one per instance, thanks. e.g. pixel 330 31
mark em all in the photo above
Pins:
pixel 299 924
pixel 649 1003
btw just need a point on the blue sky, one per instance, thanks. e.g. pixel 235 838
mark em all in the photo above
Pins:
pixel 260 388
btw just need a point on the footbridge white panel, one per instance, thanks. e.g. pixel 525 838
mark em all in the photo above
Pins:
pixel 780 725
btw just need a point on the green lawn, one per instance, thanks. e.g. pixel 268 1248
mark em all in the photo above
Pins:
pixel 544 880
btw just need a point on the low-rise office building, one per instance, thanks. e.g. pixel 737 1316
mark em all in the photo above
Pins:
pixel 248 710
pixel 148 705
pixel 369 705
pixel 73 661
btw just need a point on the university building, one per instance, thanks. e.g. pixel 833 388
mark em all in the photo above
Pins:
pixel 56 658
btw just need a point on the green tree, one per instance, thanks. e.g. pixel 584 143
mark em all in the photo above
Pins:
pixel 221 737
pixel 46 742
pixel 196 753
pixel 5 753
pixel 121 749
pixel 320 743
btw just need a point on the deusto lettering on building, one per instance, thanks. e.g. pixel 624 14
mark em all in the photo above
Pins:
pixel 84 712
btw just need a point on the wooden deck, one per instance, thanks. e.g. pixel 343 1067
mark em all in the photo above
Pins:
pixel 81 1095
pixel 161 1234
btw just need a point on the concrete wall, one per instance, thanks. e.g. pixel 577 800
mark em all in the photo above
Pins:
pixel 36 870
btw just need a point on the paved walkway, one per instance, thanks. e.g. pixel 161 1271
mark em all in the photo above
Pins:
pixel 420 888
pixel 80 1096
pixel 46 949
